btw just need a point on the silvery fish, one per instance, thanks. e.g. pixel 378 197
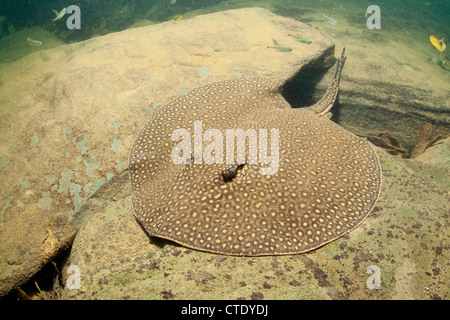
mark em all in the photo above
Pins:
pixel 33 42
pixel 300 39
pixel 331 20
pixel 60 14
pixel 281 49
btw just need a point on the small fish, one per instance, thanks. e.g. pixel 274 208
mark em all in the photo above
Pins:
pixel 446 65
pixel 177 17
pixel 282 49
pixel 303 40
pixel 331 20
pixel 33 42
pixel 60 14
pixel 438 43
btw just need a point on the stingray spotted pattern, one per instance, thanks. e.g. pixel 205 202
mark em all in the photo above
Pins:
pixel 327 183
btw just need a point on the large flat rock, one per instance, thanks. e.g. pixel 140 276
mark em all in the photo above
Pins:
pixel 70 114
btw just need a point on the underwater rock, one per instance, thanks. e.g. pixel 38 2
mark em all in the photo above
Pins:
pixel 74 111
pixel 406 237
pixel 438 154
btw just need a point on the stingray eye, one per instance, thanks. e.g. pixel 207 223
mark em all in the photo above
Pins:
pixel 229 173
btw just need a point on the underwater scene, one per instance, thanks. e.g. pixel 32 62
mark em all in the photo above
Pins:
pixel 224 150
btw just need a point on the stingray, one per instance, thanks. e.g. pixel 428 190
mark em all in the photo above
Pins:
pixel 326 182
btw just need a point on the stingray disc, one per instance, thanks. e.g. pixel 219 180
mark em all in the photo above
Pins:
pixel 326 184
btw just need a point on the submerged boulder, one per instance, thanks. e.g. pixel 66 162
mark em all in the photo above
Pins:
pixel 71 113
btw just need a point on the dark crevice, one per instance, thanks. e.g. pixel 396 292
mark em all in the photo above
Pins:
pixel 365 107
pixel 301 90
pixel 46 284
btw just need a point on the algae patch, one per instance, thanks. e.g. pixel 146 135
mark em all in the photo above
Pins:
pixel 34 138
pixel 3 163
pixel 91 166
pixel 203 71
pixel 50 178
pixel 120 166
pixel 82 144
pixel 116 145
pixel 66 185
pixel 25 184
pixel 46 200
pixel 65 133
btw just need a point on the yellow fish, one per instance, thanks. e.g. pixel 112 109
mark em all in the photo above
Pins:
pixel 177 17
pixel 438 43
pixel 59 15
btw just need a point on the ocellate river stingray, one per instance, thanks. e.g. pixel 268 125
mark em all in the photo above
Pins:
pixel 326 183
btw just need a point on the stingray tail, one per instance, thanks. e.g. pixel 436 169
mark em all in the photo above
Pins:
pixel 327 101
pixel 339 66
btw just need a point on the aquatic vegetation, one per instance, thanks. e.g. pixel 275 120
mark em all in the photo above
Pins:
pixel 281 49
